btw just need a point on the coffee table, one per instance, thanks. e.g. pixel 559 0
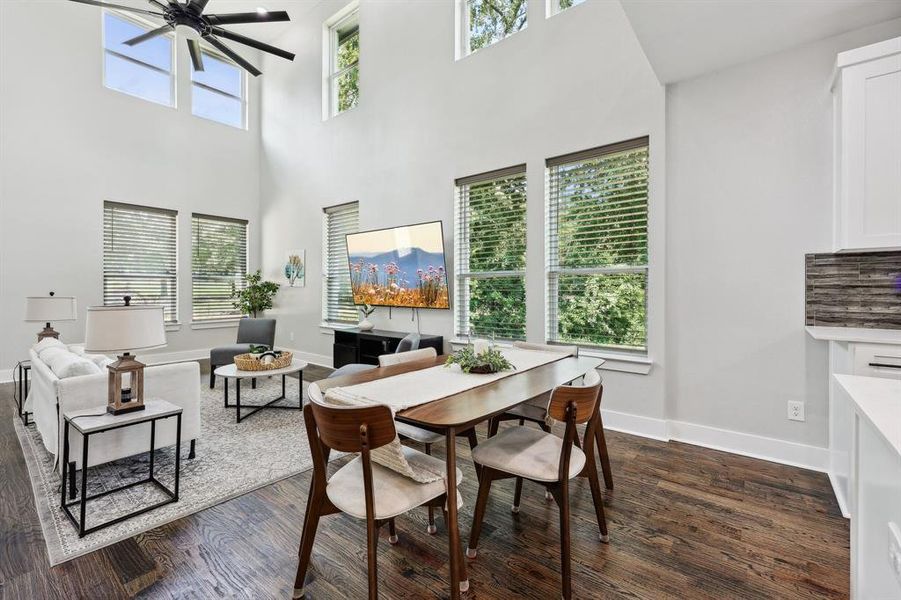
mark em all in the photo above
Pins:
pixel 231 372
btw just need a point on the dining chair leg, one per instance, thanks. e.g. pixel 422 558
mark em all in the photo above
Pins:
pixel 431 528
pixel 479 516
pixel 517 494
pixel 598 501
pixel 545 427
pixel 392 532
pixel 565 558
pixel 372 538
pixel 473 442
pixel 603 455
pixel 310 524
pixel 493 425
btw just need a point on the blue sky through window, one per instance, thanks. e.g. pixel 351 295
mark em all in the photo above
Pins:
pixel 133 77
pixel 222 76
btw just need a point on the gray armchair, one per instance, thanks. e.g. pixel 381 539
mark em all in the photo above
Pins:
pixel 260 332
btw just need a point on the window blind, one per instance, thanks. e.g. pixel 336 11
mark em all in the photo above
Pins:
pixel 218 265
pixel 597 247
pixel 338 304
pixel 140 257
pixel 490 254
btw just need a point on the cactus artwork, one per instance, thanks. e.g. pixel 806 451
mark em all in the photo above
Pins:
pixel 295 268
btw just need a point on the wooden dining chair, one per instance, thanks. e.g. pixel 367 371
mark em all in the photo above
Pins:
pixel 529 453
pixel 360 488
pixel 534 410
pixel 418 434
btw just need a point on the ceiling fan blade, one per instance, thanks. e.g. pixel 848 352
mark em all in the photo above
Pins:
pixel 196 56
pixel 119 7
pixel 237 37
pixel 149 35
pixel 233 55
pixel 158 4
pixel 251 17
pixel 197 5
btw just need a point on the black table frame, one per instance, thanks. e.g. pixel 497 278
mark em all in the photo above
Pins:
pixel 83 501
pixel 258 407
pixel 23 370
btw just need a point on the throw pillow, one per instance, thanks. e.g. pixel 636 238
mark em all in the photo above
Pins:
pixel 47 343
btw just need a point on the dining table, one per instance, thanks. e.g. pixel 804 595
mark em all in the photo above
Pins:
pixel 458 413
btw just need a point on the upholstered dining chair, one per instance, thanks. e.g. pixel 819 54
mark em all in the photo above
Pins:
pixel 260 332
pixel 528 453
pixel 411 432
pixel 534 410
pixel 360 488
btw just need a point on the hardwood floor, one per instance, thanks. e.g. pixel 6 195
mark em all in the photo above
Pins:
pixel 685 522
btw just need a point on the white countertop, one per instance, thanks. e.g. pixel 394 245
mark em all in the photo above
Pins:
pixel 855 334
pixel 878 401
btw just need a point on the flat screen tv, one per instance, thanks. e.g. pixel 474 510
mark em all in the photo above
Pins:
pixel 399 266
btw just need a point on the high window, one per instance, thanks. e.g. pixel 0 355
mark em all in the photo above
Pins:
pixel 597 247
pixel 218 266
pixel 481 23
pixel 556 6
pixel 343 64
pixel 140 256
pixel 218 92
pixel 490 254
pixel 337 298
pixel 143 70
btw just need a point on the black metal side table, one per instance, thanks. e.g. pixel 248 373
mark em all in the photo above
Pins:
pixel 91 421
pixel 20 389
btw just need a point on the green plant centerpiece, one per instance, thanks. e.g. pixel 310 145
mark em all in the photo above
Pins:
pixel 487 361
pixel 256 296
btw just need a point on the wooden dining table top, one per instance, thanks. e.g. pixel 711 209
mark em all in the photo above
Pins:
pixel 470 407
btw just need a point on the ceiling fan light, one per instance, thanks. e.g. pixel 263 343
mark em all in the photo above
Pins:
pixel 262 11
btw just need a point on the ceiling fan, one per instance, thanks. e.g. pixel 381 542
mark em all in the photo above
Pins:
pixel 188 18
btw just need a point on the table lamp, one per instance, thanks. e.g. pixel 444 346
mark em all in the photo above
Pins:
pixel 125 329
pixel 44 309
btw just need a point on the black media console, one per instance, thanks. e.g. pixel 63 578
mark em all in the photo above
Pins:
pixel 355 346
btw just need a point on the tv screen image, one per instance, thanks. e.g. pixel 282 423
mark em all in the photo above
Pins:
pixel 400 266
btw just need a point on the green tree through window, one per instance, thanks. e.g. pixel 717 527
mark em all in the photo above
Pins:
pixel 492 20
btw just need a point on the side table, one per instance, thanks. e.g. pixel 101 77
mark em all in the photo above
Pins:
pixel 91 421
pixel 20 391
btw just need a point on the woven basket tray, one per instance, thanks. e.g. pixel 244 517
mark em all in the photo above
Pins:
pixel 248 362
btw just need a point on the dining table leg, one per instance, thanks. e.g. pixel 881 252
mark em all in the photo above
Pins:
pixel 458 576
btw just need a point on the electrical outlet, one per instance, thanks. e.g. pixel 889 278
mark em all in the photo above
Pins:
pixel 894 550
pixel 795 410
pixel 291 336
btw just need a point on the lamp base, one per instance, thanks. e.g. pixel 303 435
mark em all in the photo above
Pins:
pixel 123 409
pixel 48 332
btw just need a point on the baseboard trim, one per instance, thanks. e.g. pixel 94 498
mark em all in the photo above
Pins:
pixel 316 359
pixel 165 358
pixel 6 375
pixel 754 446
pixel 639 425
pixel 839 496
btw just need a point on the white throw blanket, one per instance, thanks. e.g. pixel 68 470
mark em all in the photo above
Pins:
pixel 420 387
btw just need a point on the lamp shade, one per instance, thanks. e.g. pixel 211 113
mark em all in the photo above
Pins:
pixel 124 328
pixel 44 309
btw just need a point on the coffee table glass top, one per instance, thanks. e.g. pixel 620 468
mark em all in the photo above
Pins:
pixel 232 372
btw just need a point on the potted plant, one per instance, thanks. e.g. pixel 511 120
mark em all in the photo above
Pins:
pixel 481 360
pixel 365 324
pixel 256 296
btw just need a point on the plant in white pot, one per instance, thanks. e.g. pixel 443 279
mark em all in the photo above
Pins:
pixel 365 324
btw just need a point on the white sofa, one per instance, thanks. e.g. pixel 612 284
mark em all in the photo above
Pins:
pixel 50 397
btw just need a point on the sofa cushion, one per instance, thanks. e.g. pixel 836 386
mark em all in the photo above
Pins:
pixel 68 364
pixel 46 343
pixel 101 360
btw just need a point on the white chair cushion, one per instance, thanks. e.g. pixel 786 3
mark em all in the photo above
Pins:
pixel 393 493
pixel 417 434
pixel 527 452
pixel 46 343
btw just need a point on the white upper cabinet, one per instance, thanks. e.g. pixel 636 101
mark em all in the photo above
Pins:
pixel 868 148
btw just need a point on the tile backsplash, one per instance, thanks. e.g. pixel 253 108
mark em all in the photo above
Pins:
pixel 853 290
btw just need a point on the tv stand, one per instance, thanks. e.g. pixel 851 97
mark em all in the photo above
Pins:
pixel 365 347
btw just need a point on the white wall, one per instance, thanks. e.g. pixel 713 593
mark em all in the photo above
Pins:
pixel 425 119
pixel 68 144
pixel 749 193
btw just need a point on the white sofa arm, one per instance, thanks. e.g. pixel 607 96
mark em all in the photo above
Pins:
pixel 177 383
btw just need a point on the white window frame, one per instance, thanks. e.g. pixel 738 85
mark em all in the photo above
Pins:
pixel 462 274
pixel 553 7
pixel 246 224
pixel 349 15
pixel 341 270
pixel 147 26
pixel 462 37
pixel 552 274
pixel 207 51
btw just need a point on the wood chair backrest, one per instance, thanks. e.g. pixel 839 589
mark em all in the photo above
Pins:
pixel 386 360
pixel 567 350
pixel 585 399
pixel 350 429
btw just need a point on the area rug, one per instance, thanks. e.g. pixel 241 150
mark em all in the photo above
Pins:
pixel 231 459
